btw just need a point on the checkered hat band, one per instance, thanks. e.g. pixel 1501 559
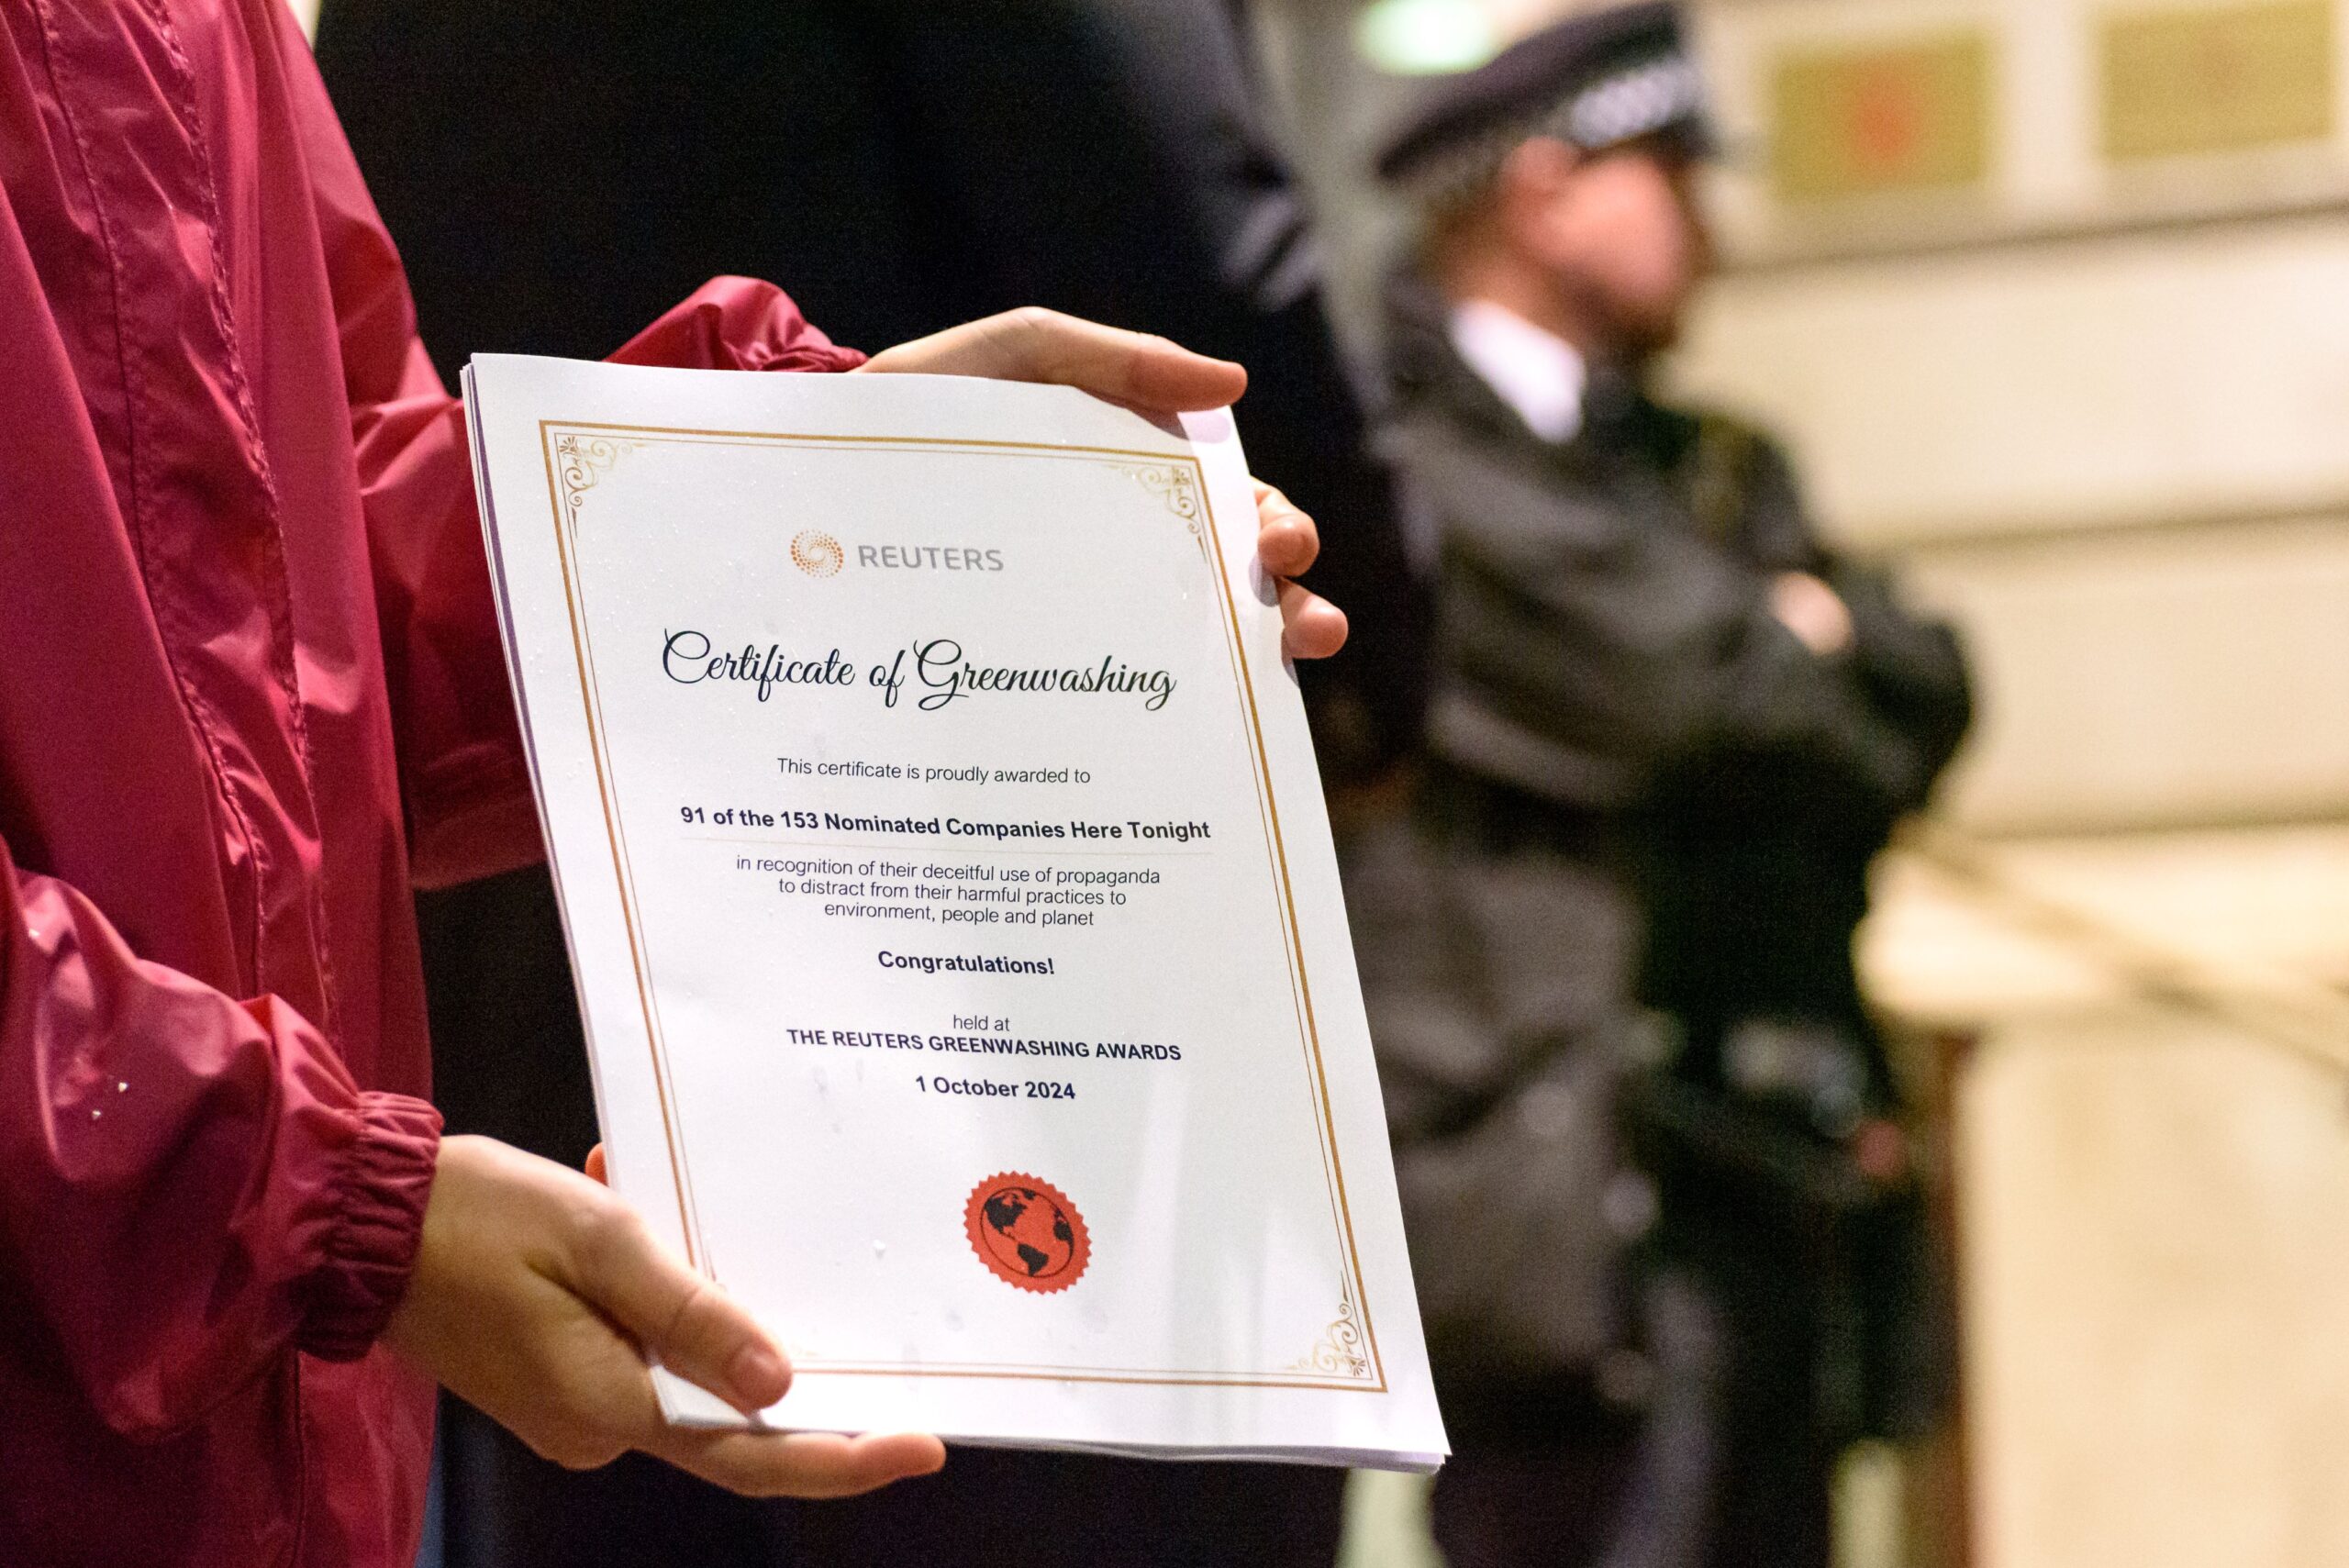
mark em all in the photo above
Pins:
pixel 1634 103
pixel 1641 100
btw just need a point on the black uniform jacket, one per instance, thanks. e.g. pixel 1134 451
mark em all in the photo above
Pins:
pixel 1606 651
pixel 1642 792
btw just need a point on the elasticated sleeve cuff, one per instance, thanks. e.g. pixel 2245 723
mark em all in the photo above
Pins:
pixel 384 1178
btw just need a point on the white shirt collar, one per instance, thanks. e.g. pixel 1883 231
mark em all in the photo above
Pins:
pixel 1534 371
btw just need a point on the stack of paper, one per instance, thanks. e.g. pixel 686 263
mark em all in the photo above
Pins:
pixel 952 904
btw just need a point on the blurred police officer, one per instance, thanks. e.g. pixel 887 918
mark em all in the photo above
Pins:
pixel 1668 1271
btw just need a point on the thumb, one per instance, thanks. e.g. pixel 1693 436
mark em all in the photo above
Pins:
pixel 679 1319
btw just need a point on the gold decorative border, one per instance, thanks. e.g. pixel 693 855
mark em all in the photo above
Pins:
pixel 576 461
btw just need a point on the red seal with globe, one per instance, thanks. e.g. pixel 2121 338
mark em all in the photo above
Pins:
pixel 1026 1232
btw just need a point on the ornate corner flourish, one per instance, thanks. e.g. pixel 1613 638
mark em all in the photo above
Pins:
pixel 1177 485
pixel 581 461
pixel 1339 1352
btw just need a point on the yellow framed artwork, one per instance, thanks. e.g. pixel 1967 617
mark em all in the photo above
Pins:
pixel 2215 78
pixel 1856 120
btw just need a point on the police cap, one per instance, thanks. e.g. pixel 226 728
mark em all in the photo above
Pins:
pixel 1594 82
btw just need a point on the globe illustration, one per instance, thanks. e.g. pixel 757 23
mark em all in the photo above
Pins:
pixel 1026 1232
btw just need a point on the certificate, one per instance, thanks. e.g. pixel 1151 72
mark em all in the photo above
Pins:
pixel 951 895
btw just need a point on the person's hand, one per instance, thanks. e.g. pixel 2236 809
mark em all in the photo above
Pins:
pixel 1153 377
pixel 1814 611
pixel 1286 542
pixel 537 1296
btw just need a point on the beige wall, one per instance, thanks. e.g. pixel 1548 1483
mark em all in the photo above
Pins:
pixel 2158 1298
pixel 2103 418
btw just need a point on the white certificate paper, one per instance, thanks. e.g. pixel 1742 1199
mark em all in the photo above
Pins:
pixel 953 904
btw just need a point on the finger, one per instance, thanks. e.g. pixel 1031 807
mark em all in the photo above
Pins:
pixel 681 1320
pixel 596 1170
pixel 1141 371
pixel 1311 627
pixel 799 1465
pixel 1288 543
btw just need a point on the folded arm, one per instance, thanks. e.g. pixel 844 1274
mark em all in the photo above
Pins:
pixel 1646 646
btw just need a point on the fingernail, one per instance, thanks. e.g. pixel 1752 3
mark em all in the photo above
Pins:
pixel 758 1376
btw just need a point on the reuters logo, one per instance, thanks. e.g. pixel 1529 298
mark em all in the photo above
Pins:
pixel 817 553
